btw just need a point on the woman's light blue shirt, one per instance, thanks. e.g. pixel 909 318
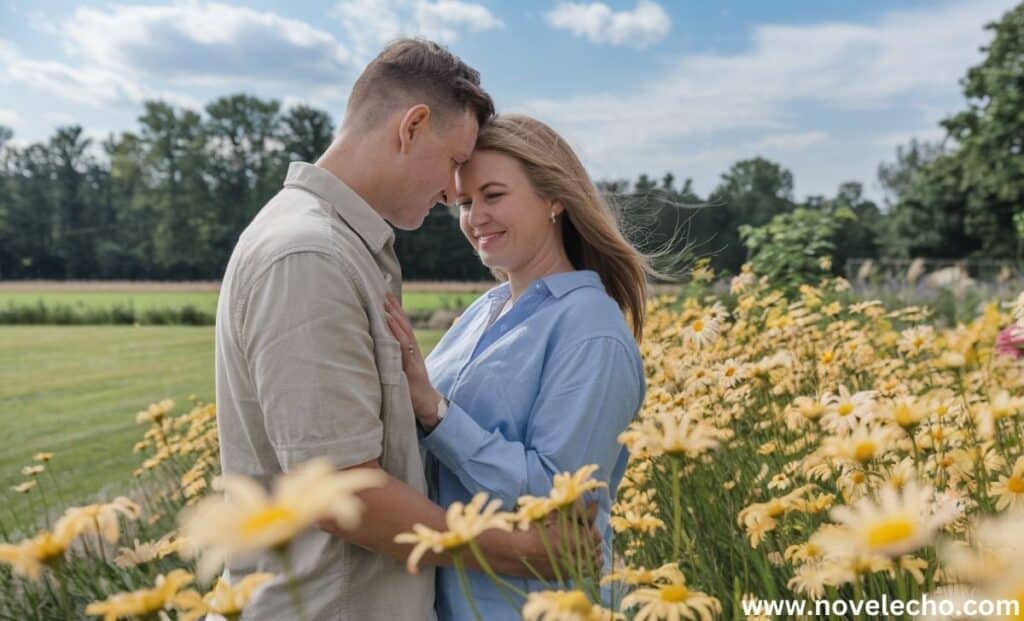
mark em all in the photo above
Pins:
pixel 546 388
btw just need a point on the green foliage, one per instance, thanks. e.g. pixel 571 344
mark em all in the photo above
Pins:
pixel 963 201
pixel 790 248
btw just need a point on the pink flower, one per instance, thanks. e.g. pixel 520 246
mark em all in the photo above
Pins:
pixel 1010 341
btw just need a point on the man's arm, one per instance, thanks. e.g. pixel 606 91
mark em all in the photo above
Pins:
pixel 394 507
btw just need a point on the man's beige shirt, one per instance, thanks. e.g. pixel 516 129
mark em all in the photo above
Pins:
pixel 307 368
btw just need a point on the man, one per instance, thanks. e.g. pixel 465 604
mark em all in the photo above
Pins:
pixel 306 364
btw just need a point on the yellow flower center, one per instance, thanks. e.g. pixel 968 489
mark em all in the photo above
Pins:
pixel 730 371
pixel 826 357
pixel 904 416
pixel 865 451
pixel 576 602
pixel 674 593
pixel 269 517
pixel 812 410
pixel 890 532
pixel 845 409
pixel 857 477
pixel 1015 485
pixel 698 325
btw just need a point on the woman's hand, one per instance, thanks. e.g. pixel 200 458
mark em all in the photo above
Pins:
pixel 424 397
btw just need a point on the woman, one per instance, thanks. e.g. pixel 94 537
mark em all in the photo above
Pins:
pixel 542 373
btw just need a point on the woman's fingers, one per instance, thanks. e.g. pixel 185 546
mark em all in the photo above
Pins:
pixel 395 330
pixel 400 315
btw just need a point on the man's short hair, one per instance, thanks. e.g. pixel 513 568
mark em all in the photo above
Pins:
pixel 411 71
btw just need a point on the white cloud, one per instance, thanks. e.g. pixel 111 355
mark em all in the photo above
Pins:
pixel 116 54
pixel 445 20
pixel 9 118
pixel 903 59
pixel 88 85
pixel 206 42
pixel 646 24
pixel 369 24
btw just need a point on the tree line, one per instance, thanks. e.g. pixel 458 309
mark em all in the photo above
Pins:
pixel 168 199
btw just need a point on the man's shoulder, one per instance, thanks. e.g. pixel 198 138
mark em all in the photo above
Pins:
pixel 294 221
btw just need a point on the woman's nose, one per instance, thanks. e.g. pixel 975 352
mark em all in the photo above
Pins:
pixel 478 215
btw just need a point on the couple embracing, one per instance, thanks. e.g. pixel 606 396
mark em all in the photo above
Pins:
pixel 315 357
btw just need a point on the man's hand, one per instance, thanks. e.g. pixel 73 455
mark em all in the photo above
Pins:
pixel 555 545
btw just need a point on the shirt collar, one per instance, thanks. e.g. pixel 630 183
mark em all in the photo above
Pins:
pixel 557 285
pixel 561 284
pixel 352 208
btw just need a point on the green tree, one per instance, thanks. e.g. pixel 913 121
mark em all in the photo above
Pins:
pixel 751 193
pixel 789 248
pixel 245 163
pixel 172 146
pixel 990 135
pixel 306 133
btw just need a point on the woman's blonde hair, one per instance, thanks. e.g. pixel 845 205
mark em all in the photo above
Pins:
pixel 590 230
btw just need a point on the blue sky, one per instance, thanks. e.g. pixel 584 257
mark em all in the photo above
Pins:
pixel 828 88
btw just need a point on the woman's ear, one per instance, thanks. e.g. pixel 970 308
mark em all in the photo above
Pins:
pixel 414 121
pixel 556 207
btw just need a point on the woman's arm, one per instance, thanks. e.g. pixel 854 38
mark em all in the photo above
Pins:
pixel 589 393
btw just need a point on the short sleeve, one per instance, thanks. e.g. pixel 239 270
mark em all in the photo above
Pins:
pixel 307 341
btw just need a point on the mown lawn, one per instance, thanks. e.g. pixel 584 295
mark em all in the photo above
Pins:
pixel 205 301
pixel 74 391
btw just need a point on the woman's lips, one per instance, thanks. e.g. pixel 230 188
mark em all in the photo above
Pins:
pixel 490 239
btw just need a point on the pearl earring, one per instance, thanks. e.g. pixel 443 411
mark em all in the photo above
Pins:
pixel 553 217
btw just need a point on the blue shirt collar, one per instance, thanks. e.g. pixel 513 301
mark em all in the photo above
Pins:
pixel 557 285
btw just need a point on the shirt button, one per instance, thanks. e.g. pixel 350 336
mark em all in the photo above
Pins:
pixel 387 277
pixel 537 286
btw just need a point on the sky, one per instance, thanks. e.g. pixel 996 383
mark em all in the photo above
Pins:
pixel 827 88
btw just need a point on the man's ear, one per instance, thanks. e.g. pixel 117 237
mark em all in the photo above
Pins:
pixel 415 120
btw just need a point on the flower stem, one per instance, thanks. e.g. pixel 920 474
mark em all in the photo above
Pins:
pixel 293 587
pixel 460 570
pixel 677 511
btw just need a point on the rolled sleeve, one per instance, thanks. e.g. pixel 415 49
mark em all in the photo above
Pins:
pixel 311 358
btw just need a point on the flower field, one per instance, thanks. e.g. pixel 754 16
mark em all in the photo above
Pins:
pixel 798 447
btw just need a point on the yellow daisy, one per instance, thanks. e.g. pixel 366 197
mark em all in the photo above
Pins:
pixel 246 519
pixel 1009 490
pixel 673 600
pixel 144 601
pixel 565 606
pixel 465 522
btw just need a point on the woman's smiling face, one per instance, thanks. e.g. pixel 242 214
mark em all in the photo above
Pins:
pixel 500 213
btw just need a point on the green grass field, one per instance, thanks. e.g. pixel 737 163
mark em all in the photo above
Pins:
pixel 204 301
pixel 74 391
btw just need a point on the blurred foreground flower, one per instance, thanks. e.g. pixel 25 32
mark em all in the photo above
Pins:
pixel 224 599
pixel 465 523
pixel 246 519
pixel 142 602
pixel 565 606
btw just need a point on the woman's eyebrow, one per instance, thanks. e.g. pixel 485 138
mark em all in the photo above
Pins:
pixel 490 183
